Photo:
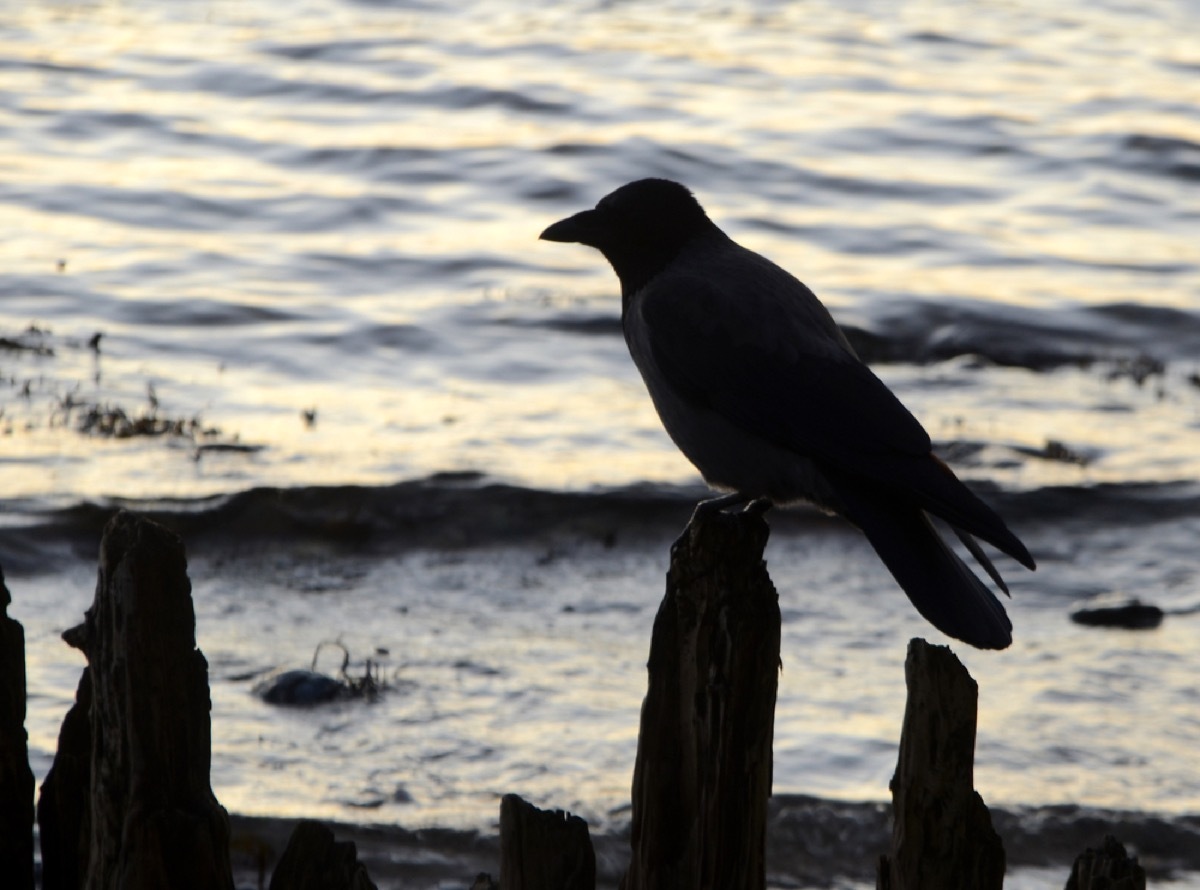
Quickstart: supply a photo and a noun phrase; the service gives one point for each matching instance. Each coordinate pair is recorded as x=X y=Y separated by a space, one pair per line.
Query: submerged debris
x=1056 y=451
x=310 y=687
x=1138 y=368
x=32 y=340
x=54 y=402
x=112 y=421
x=300 y=687
x=228 y=448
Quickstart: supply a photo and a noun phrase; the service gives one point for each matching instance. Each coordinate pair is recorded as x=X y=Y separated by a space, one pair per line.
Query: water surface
x=308 y=241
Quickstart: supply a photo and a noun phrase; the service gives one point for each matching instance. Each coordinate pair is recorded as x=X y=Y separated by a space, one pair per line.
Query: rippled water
x=333 y=209
x=337 y=210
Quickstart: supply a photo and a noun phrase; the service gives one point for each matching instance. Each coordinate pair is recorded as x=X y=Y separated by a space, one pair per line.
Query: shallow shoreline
x=811 y=842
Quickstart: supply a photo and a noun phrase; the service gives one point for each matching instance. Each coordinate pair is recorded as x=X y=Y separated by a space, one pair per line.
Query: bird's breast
x=728 y=456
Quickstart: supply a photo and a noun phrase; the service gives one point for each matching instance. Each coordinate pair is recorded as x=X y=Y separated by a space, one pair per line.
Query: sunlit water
x=334 y=209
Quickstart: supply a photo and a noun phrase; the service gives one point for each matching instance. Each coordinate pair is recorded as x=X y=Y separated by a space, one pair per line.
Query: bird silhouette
x=760 y=389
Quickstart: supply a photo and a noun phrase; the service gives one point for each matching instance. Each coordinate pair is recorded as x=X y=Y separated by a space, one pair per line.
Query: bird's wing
x=768 y=360
x=751 y=357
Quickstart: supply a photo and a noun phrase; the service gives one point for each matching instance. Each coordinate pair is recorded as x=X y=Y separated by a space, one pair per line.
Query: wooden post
x=543 y=849
x=152 y=820
x=16 y=778
x=1109 y=868
x=942 y=838
x=64 y=805
x=703 y=772
x=313 y=860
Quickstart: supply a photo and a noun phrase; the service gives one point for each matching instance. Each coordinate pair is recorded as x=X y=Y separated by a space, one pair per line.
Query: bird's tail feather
x=982 y=558
x=939 y=584
x=945 y=496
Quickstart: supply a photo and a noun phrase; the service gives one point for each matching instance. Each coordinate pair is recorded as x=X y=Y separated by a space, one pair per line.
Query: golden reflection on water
x=851 y=76
x=828 y=87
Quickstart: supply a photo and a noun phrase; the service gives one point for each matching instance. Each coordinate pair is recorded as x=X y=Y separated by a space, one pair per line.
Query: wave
x=459 y=510
x=901 y=330
x=1040 y=340
x=1167 y=156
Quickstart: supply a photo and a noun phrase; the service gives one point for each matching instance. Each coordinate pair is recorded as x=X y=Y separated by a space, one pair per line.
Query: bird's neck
x=640 y=264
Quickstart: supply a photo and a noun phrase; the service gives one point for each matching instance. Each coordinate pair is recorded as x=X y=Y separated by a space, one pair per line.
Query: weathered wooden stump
x=16 y=779
x=703 y=772
x=1108 y=868
x=150 y=819
x=543 y=849
x=313 y=860
x=942 y=838
x=64 y=805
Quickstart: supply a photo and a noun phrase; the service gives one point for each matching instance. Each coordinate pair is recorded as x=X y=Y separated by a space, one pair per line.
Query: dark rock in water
x=300 y=687
x=1133 y=615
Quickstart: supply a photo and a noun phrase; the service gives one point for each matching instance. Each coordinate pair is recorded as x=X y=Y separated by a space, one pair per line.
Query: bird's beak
x=582 y=228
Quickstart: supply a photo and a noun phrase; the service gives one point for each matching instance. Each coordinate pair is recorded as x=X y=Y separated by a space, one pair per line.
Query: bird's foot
x=705 y=509
x=749 y=504
x=758 y=506
x=718 y=504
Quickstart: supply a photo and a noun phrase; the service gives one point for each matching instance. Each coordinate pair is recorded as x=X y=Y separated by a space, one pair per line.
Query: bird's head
x=639 y=228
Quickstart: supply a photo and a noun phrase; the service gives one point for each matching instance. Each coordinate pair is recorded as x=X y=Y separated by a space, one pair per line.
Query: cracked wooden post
x=543 y=848
x=942 y=835
x=16 y=778
x=1107 y=868
x=64 y=804
x=315 y=860
x=151 y=819
x=703 y=772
